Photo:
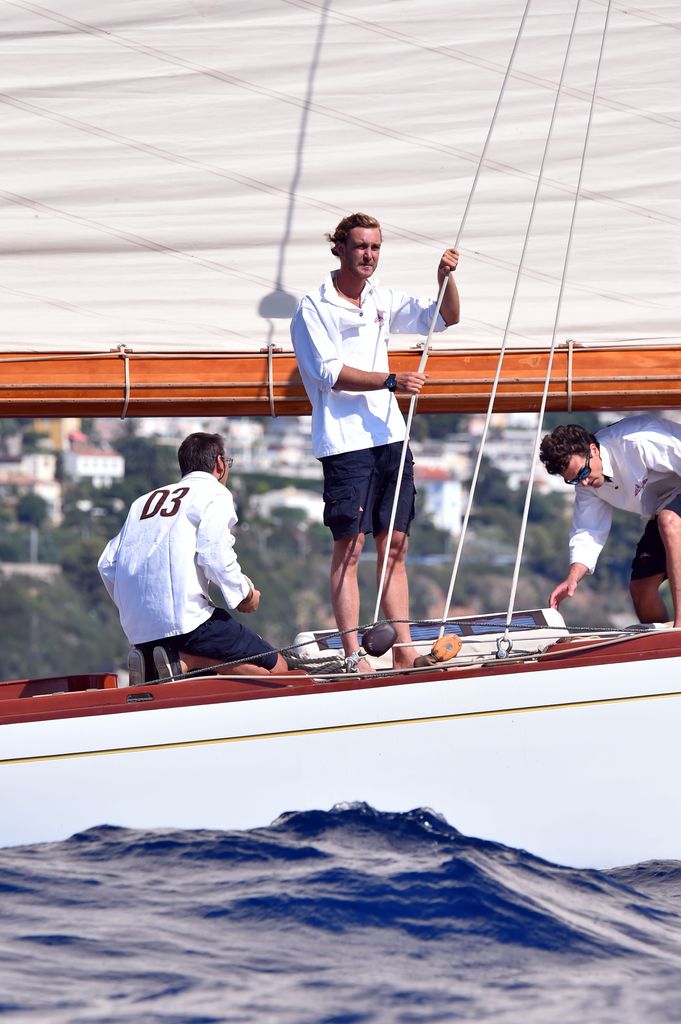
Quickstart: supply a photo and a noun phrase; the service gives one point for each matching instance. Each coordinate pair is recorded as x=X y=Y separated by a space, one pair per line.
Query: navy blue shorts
x=359 y=490
x=220 y=638
x=651 y=557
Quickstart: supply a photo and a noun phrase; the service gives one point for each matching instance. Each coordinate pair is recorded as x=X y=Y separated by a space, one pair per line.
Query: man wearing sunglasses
x=175 y=541
x=635 y=465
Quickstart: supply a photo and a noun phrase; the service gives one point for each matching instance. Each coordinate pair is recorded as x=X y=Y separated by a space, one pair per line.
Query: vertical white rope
x=511 y=309
x=403 y=456
x=559 y=303
x=438 y=304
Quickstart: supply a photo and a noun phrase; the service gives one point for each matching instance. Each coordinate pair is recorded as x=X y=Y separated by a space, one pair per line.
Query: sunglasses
x=584 y=472
x=228 y=460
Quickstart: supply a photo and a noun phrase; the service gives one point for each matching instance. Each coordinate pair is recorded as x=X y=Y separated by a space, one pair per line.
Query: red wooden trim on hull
x=14 y=688
x=573 y=652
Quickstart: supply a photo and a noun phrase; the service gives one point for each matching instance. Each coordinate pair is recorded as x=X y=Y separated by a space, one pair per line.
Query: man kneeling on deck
x=175 y=541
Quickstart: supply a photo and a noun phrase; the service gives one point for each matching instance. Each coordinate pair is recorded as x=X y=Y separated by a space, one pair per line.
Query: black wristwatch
x=390 y=382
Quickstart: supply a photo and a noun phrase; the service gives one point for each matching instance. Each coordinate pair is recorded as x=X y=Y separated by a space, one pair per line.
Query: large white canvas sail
x=169 y=169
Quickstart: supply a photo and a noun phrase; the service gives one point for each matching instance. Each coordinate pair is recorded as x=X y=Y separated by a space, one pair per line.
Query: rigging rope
x=426 y=347
x=504 y=342
x=568 y=247
x=124 y=354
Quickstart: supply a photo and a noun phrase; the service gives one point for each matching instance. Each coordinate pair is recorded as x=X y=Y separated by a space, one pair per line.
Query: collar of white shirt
x=334 y=299
x=606 y=460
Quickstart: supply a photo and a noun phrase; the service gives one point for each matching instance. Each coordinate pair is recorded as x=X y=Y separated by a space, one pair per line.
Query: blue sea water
x=335 y=917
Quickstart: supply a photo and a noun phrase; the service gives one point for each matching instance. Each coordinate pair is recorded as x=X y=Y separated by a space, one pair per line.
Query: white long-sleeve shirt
x=175 y=540
x=642 y=463
x=329 y=332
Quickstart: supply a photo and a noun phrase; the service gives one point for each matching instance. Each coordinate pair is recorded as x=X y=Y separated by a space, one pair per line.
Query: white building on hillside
x=309 y=502
x=33 y=473
x=101 y=466
x=442 y=496
x=511 y=452
x=288 y=447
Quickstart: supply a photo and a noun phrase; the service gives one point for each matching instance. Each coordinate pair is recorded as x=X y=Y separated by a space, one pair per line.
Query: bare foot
x=403 y=657
x=364 y=666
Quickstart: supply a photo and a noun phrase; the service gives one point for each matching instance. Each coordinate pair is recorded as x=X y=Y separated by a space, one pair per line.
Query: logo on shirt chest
x=639 y=485
x=380 y=317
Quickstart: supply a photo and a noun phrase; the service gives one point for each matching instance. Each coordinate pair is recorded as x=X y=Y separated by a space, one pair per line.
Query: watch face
x=391 y=382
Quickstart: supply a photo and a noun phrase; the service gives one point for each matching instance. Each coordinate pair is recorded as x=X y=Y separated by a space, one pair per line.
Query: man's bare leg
x=395 y=598
x=191 y=662
x=345 y=592
x=669 y=525
x=645 y=593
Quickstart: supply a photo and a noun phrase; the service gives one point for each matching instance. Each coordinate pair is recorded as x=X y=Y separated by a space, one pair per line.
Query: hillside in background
x=70 y=625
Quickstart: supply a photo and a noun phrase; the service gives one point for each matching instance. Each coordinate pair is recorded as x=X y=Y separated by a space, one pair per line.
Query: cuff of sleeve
x=331 y=375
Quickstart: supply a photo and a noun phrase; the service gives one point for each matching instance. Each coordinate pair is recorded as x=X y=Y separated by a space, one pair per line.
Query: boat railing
x=57 y=684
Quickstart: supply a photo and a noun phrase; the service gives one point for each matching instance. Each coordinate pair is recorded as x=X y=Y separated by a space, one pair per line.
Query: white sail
x=170 y=169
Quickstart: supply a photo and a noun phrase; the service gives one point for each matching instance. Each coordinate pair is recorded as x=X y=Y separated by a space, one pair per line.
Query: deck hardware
x=504 y=646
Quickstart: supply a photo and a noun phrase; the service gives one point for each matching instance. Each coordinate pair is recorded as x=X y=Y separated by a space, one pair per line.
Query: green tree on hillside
x=32 y=509
x=52 y=628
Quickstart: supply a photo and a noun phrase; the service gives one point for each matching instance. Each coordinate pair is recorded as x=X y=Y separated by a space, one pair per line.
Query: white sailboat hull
x=579 y=766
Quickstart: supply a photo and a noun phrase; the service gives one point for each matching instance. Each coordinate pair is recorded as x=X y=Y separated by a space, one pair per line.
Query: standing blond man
x=340 y=335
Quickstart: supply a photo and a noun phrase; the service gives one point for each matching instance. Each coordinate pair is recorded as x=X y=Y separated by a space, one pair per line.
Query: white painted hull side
x=580 y=765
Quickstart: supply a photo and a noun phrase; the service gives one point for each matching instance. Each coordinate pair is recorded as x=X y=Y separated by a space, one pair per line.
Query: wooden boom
x=126 y=383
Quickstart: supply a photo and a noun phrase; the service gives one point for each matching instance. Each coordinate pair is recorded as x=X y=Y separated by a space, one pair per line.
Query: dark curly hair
x=354 y=220
x=558 y=447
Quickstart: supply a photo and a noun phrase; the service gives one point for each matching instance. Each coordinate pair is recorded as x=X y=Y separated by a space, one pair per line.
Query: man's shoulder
x=155 y=490
x=387 y=298
x=206 y=487
x=634 y=430
x=310 y=303
x=622 y=432
x=317 y=294
x=198 y=481
x=197 y=477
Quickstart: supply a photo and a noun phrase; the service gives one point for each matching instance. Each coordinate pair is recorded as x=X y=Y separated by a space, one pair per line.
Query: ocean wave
x=167 y=921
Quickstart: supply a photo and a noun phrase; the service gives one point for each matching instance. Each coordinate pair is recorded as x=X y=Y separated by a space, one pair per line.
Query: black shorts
x=220 y=638
x=651 y=557
x=359 y=490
